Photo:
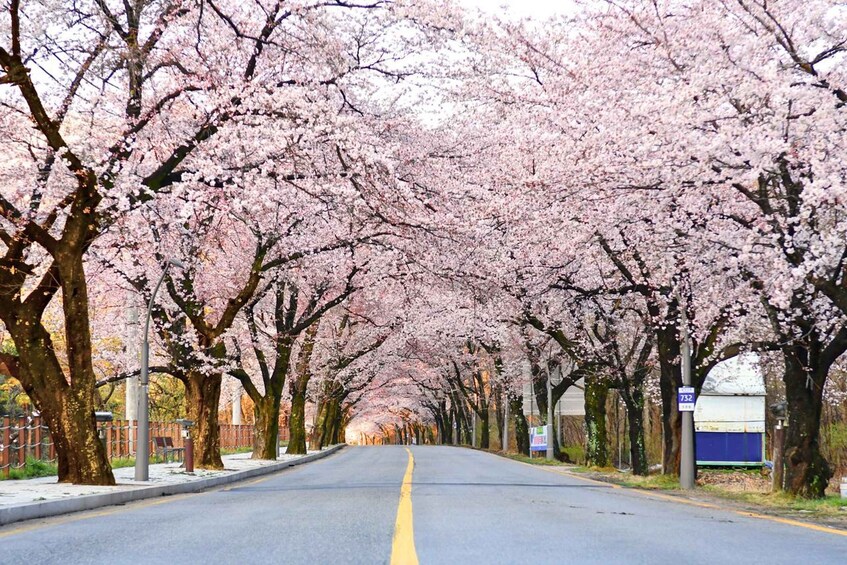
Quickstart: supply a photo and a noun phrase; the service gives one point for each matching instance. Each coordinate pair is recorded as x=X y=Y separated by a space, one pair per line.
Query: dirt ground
x=735 y=481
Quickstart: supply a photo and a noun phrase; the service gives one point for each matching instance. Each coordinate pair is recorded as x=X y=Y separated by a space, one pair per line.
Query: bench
x=165 y=448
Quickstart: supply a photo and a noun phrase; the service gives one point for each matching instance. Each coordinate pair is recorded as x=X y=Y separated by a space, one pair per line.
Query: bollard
x=188 y=442
x=189 y=455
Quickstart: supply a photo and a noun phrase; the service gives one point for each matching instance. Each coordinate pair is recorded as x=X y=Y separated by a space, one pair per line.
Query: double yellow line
x=403 y=547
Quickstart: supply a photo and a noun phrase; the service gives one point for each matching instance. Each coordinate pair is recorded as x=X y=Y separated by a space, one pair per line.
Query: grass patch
x=540 y=460
x=236 y=450
x=650 y=482
x=575 y=453
x=34 y=468
x=832 y=505
x=122 y=462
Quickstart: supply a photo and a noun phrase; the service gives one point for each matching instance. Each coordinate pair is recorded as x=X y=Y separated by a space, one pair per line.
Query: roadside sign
x=538 y=437
x=686 y=399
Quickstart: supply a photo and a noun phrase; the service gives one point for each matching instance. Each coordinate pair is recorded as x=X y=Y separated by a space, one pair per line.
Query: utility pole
x=473 y=428
x=549 y=416
x=505 y=446
x=132 y=353
x=236 y=407
x=778 y=460
x=531 y=394
x=686 y=464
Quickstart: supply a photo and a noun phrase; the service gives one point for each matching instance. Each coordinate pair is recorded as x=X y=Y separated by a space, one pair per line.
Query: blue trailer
x=729 y=417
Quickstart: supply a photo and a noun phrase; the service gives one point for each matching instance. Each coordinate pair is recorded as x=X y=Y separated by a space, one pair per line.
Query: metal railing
x=24 y=437
x=28 y=437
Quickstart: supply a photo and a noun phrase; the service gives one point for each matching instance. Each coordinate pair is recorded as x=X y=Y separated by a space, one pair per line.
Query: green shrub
x=575 y=453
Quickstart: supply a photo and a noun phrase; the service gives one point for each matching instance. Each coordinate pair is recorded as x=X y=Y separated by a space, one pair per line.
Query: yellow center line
x=403 y=547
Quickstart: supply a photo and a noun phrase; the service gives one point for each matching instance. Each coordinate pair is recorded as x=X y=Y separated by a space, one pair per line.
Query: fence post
x=107 y=434
x=5 y=455
x=21 y=442
x=134 y=432
x=120 y=432
x=52 y=446
x=36 y=429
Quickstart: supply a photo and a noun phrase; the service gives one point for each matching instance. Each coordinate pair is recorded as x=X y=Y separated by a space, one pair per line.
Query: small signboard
x=686 y=399
x=538 y=437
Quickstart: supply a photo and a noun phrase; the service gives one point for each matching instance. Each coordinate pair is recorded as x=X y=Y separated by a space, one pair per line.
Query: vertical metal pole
x=236 y=408
x=618 y=428
x=549 y=417
x=473 y=428
x=778 y=454
x=131 y=393
x=686 y=464
x=559 y=423
x=505 y=446
x=531 y=396
x=142 y=450
x=142 y=453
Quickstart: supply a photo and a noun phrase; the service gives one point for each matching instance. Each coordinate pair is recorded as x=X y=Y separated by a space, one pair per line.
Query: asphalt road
x=466 y=507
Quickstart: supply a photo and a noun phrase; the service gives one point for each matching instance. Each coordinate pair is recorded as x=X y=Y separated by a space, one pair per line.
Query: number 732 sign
x=685 y=399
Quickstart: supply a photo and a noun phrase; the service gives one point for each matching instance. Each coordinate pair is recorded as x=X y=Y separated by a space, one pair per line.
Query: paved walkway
x=46 y=488
x=33 y=498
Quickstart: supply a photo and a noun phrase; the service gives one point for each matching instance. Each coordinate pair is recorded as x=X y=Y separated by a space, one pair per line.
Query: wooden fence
x=28 y=437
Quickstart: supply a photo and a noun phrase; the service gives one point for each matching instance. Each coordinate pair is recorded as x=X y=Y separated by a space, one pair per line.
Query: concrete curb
x=90 y=501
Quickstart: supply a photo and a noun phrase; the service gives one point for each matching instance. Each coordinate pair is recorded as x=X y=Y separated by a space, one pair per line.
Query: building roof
x=740 y=375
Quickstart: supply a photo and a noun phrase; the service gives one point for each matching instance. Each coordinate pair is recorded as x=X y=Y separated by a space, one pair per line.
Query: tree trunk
x=634 y=404
x=266 y=427
x=297 y=422
x=298 y=387
x=484 y=438
x=67 y=409
x=449 y=423
x=670 y=379
x=596 y=392
x=521 y=425
x=202 y=398
x=807 y=473
x=333 y=428
x=500 y=416
x=321 y=429
x=339 y=432
x=82 y=458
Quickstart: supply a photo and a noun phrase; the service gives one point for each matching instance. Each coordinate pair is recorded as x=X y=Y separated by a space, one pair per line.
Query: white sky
x=522 y=8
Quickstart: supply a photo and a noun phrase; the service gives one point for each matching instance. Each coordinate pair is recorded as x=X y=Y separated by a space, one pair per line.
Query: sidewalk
x=39 y=498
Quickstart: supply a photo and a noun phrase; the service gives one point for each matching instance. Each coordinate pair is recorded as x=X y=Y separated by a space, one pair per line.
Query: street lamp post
x=687 y=463
x=142 y=452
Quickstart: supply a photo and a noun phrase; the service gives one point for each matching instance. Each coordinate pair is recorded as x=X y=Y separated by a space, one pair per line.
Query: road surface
x=465 y=507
